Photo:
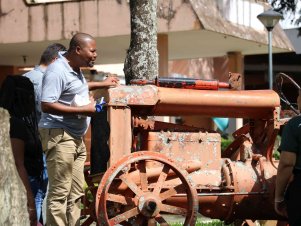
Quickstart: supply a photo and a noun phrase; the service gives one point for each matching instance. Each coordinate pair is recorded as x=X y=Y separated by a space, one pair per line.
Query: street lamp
x=269 y=19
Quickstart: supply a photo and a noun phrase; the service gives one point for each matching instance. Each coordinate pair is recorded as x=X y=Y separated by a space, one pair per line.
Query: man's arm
x=284 y=174
x=18 y=148
x=108 y=82
x=61 y=109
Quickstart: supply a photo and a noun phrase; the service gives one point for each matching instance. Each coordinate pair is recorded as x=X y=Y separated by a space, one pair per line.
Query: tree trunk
x=142 y=56
x=13 y=201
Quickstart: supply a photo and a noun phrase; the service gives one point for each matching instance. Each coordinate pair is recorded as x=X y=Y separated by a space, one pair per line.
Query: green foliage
x=284 y=5
x=276 y=153
x=225 y=143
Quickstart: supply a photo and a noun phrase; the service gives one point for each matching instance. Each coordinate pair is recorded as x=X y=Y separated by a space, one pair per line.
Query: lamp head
x=269 y=18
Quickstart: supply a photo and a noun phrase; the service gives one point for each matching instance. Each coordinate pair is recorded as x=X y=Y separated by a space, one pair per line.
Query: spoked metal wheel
x=140 y=190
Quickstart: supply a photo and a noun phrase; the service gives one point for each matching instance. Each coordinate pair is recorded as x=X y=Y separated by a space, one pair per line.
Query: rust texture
x=180 y=169
x=171 y=101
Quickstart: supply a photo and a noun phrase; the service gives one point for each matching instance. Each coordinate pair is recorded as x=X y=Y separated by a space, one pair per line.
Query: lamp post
x=269 y=19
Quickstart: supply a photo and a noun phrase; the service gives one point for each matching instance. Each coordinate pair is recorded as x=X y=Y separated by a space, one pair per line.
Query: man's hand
x=90 y=108
x=111 y=81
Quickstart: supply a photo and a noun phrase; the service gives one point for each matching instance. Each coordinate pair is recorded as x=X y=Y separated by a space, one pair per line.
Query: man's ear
x=77 y=50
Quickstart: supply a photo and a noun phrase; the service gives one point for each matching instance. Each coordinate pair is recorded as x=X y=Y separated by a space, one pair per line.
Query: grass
x=199 y=223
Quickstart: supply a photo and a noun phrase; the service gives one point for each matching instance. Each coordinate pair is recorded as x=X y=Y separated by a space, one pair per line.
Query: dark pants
x=100 y=133
x=293 y=198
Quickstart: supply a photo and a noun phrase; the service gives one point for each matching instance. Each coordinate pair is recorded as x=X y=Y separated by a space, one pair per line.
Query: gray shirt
x=61 y=84
x=36 y=77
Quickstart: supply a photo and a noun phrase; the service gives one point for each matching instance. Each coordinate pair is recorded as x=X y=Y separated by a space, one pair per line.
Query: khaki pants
x=65 y=157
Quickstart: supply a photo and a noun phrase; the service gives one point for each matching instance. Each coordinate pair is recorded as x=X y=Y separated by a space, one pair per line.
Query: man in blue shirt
x=66 y=107
x=39 y=183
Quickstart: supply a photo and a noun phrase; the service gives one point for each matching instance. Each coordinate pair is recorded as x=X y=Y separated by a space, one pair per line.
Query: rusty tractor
x=158 y=169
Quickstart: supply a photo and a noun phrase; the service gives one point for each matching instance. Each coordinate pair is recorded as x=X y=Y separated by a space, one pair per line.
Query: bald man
x=66 y=107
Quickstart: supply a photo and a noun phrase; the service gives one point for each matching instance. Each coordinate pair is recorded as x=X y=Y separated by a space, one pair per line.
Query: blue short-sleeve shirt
x=61 y=84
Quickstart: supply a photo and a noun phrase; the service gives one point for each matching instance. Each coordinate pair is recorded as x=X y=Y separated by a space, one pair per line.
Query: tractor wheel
x=136 y=190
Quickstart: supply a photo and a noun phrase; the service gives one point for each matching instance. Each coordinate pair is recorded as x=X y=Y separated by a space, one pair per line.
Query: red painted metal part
x=152 y=100
x=183 y=83
x=245 y=104
x=143 y=200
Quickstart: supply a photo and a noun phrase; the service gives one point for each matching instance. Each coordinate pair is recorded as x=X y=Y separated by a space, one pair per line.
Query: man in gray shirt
x=49 y=55
x=66 y=107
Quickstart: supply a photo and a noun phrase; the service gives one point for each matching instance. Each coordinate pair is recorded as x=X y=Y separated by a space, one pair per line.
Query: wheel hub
x=149 y=205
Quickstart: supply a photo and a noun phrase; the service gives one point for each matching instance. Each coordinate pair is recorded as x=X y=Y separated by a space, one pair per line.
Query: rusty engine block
x=159 y=168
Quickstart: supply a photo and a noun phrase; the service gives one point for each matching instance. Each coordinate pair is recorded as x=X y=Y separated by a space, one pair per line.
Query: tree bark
x=142 y=56
x=13 y=200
